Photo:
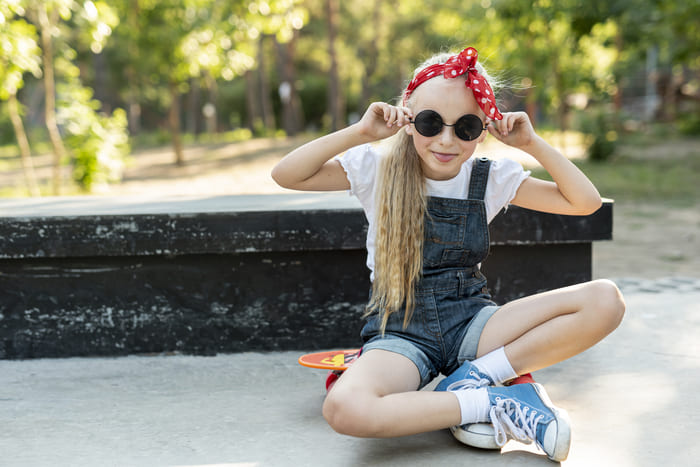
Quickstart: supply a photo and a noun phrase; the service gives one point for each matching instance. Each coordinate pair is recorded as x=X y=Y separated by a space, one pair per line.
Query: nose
x=447 y=134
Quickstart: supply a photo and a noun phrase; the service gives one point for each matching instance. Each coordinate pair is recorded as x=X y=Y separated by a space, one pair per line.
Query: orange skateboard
x=337 y=361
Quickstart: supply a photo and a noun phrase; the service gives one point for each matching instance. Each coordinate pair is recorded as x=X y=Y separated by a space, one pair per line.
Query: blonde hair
x=399 y=220
x=401 y=206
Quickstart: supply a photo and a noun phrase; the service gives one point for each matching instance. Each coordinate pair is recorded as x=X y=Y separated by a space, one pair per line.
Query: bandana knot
x=461 y=63
x=458 y=65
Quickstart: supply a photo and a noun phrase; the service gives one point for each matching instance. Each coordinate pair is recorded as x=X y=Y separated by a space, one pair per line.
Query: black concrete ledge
x=100 y=276
x=251 y=224
x=244 y=224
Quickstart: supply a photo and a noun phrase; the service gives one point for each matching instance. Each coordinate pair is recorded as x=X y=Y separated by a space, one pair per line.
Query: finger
x=404 y=116
x=501 y=126
x=386 y=112
x=392 y=117
x=493 y=129
x=507 y=124
x=512 y=122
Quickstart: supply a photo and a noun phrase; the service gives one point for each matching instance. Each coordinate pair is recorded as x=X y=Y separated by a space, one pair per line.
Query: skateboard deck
x=336 y=360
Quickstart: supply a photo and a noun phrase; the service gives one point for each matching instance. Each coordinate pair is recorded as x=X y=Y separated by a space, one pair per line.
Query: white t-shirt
x=361 y=164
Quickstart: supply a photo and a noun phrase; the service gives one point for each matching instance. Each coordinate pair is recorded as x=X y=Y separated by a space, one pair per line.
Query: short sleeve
x=360 y=165
x=505 y=178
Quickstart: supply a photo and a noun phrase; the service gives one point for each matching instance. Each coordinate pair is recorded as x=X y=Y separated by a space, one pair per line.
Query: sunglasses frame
x=438 y=118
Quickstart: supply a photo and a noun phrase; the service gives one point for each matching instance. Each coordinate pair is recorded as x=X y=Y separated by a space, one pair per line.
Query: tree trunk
x=617 y=98
x=562 y=108
x=23 y=143
x=59 y=150
x=292 y=116
x=132 y=96
x=268 y=114
x=335 y=99
x=101 y=86
x=194 y=108
x=530 y=95
x=253 y=119
x=371 y=60
x=174 y=123
x=211 y=118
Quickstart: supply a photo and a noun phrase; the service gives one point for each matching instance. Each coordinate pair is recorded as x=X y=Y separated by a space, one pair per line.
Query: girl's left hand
x=514 y=129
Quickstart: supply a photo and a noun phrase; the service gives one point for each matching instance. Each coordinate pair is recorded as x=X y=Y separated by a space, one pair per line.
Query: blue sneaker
x=525 y=413
x=483 y=435
x=466 y=376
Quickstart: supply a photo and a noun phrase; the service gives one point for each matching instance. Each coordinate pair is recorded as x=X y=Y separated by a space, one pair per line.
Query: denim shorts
x=451 y=311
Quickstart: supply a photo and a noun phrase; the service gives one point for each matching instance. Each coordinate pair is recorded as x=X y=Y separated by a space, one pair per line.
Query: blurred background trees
x=95 y=78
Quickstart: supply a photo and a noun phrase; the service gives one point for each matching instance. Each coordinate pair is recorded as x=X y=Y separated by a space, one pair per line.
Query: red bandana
x=457 y=65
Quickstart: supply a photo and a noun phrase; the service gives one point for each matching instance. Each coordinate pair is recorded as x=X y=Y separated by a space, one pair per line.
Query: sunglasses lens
x=428 y=123
x=469 y=127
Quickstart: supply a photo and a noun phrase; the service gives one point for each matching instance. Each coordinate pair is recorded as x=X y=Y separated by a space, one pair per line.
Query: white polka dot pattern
x=457 y=65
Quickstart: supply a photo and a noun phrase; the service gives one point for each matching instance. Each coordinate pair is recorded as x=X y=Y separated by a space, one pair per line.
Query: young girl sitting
x=428 y=203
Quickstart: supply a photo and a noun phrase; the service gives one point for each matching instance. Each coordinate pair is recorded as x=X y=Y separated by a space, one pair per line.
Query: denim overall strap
x=451 y=290
x=456 y=230
x=479 y=178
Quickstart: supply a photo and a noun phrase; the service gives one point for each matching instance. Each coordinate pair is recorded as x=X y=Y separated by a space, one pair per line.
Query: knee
x=610 y=304
x=348 y=413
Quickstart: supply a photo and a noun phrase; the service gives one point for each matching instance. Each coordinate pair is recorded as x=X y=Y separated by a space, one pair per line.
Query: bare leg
x=547 y=328
x=377 y=397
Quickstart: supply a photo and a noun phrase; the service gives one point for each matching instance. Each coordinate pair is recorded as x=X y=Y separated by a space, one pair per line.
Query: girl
x=428 y=203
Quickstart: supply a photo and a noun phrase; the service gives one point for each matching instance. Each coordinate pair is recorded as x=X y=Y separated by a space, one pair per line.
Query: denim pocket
x=444 y=232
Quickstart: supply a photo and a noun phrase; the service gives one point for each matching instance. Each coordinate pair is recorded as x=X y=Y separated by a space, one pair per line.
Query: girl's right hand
x=382 y=120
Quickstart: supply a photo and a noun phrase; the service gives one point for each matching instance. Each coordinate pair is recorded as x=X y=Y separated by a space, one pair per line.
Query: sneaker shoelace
x=475 y=382
x=512 y=421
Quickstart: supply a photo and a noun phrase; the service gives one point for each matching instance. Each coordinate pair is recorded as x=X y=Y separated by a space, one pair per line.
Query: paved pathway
x=633 y=401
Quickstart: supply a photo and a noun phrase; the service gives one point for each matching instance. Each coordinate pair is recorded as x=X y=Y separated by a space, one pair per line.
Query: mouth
x=443 y=157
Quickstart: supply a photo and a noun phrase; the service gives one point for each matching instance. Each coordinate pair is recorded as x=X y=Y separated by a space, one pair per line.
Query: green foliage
x=19 y=54
x=549 y=51
x=99 y=144
x=689 y=125
x=6 y=131
x=599 y=125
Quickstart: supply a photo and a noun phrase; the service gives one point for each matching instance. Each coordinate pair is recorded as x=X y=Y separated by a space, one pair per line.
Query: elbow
x=595 y=203
x=278 y=176
x=591 y=205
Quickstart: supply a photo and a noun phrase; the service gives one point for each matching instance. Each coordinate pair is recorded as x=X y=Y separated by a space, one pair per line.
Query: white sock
x=496 y=365
x=474 y=404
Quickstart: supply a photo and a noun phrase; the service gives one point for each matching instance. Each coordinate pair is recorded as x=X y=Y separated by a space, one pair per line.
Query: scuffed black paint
x=232 y=281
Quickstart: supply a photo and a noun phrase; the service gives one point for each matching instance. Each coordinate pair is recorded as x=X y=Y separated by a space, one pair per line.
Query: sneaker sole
x=563 y=441
x=478 y=435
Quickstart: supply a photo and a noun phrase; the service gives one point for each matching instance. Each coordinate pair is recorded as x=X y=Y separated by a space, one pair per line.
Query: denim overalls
x=452 y=301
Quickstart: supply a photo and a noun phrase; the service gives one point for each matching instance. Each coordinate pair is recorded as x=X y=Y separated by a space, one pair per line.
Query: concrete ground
x=633 y=401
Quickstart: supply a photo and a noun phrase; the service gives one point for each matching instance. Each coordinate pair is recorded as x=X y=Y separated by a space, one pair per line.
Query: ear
x=409 y=129
x=484 y=134
x=482 y=137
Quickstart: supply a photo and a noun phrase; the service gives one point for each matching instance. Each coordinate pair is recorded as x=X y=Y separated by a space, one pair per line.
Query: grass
x=668 y=178
x=652 y=164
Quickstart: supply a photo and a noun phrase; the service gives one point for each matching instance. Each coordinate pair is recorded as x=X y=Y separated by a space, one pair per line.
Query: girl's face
x=442 y=155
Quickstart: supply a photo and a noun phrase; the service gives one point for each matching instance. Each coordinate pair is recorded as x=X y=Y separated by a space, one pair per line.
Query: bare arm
x=309 y=167
x=570 y=193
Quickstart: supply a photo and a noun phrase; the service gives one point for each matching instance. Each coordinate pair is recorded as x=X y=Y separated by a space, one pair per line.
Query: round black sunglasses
x=429 y=123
